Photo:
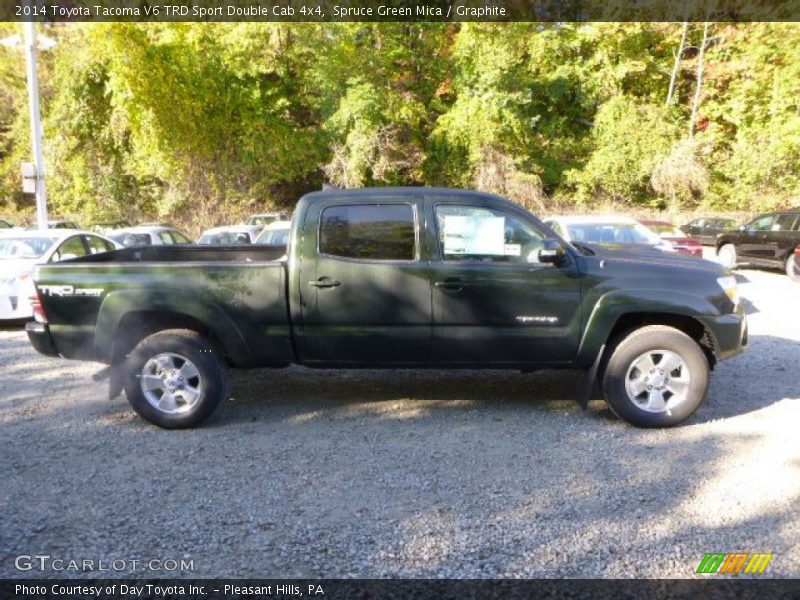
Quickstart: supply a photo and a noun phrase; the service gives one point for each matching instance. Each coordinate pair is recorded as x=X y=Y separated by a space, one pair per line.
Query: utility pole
x=36 y=123
x=699 y=85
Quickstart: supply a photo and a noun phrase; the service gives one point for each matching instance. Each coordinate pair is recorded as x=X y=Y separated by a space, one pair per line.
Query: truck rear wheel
x=175 y=378
x=657 y=376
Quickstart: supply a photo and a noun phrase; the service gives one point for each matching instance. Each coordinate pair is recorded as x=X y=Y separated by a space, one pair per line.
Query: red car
x=682 y=243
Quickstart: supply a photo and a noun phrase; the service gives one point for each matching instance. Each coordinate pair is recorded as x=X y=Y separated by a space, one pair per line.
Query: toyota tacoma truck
x=394 y=278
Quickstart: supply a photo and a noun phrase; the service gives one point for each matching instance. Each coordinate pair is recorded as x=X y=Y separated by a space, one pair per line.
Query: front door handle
x=324 y=282
x=451 y=284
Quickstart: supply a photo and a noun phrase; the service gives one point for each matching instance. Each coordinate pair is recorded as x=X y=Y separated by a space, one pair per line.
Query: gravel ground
x=409 y=474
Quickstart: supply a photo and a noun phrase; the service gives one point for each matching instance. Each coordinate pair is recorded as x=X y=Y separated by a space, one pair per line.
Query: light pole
x=36 y=123
x=30 y=44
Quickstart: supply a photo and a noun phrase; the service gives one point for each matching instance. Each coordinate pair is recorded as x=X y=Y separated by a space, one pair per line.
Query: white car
x=275 y=234
x=148 y=235
x=607 y=229
x=265 y=218
x=233 y=234
x=21 y=251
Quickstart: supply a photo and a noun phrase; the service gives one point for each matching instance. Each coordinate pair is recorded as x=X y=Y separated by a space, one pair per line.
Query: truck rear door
x=493 y=300
x=364 y=291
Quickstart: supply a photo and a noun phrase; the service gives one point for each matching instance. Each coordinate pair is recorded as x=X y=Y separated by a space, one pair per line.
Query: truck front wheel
x=657 y=376
x=727 y=256
x=175 y=378
x=792 y=266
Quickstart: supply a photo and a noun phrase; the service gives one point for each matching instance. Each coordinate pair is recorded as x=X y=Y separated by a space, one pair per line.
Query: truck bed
x=193 y=253
x=238 y=292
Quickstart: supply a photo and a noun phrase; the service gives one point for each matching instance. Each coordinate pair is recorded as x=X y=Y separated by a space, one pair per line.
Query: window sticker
x=512 y=249
x=474 y=235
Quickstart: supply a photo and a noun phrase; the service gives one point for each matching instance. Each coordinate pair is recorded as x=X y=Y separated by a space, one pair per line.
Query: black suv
x=706 y=229
x=769 y=240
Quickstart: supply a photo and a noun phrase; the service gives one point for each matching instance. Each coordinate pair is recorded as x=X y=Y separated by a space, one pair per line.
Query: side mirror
x=552 y=252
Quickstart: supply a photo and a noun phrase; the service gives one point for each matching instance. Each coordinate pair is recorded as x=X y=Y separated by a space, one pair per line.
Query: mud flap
x=114 y=375
x=586 y=386
x=115 y=382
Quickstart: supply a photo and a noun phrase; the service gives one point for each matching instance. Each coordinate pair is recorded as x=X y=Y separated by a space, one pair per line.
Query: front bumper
x=40 y=338
x=728 y=332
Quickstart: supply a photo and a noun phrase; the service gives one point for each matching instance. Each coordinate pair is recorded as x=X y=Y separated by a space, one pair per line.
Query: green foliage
x=205 y=122
x=629 y=140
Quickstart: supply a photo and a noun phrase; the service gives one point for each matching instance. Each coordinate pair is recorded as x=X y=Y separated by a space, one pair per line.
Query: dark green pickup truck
x=395 y=277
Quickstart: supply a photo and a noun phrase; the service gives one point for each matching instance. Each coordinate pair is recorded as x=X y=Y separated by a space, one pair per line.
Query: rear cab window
x=371 y=232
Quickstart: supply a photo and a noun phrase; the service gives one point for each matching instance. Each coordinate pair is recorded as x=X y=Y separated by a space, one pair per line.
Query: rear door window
x=97 y=245
x=369 y=232
x=784 y=222
x=179 y=238
x=71 y=248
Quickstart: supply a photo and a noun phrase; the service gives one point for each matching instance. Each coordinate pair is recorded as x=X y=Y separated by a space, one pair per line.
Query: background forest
x=202 y=123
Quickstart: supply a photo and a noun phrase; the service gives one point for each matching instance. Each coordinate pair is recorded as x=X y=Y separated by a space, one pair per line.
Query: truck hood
x=648 y=255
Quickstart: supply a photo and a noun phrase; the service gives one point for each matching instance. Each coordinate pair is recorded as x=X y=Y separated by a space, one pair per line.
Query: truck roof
x=395 y=190
x=399 y=191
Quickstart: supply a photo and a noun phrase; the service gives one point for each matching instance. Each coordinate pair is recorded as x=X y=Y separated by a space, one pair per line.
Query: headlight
x=730 y=287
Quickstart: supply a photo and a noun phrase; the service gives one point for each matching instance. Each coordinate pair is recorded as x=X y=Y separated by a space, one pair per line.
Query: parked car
x=608 y=230
x=264 y=219
x=62 y=224
x=769 y=240
x=232 y=234
x=157 y=224
x=105 y=226
x=149 y=235
x=396 y=277
x=5 y=224
x=275 y=234
x=682 y=243
x=21 y=251
x=706 y=229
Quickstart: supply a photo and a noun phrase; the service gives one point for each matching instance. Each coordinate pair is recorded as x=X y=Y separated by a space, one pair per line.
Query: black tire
x=210 y=382
x=650 y=339
x=792 y=267
x=728 y=256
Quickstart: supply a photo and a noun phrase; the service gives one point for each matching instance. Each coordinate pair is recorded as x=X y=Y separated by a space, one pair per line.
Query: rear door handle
x=324 y=282
x=451 y=284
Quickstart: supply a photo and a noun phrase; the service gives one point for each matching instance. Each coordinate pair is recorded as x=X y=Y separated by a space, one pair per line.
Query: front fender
x=615 y=304
x=116 y=305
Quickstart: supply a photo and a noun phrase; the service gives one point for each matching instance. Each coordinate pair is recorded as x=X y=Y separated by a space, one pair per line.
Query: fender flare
x=116 y=305
x=616 y=304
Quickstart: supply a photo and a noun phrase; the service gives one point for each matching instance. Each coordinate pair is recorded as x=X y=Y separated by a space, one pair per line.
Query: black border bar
x=710 y=587
x=63 y=11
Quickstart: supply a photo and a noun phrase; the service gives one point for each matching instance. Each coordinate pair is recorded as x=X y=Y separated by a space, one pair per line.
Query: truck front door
x=493 y=300
x=364 y=290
